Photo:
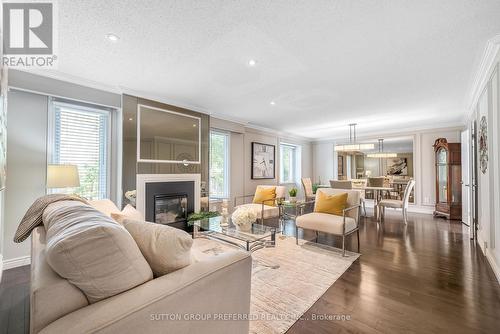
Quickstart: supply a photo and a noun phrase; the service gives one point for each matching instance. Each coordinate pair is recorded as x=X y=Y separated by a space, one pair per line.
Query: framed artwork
x=483 y=145
x=263 y=161
x=397 y=166
x=340 y=162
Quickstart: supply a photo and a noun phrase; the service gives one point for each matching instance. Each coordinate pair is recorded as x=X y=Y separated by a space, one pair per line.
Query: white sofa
x=213 y=285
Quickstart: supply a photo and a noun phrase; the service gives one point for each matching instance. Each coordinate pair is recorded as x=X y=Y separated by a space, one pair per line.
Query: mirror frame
x=139 y=106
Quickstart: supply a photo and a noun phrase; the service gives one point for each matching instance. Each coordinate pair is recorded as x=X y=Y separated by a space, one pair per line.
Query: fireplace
x=170 y=209
x=168 y=198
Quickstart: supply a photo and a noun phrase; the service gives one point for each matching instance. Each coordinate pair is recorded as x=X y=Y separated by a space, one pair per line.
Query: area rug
x=287 y=279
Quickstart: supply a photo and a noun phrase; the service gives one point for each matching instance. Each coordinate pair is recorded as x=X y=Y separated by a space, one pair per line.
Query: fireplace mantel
x=143 y=179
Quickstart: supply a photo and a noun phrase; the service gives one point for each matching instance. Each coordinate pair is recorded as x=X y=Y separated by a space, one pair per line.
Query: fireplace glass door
x=170 y=208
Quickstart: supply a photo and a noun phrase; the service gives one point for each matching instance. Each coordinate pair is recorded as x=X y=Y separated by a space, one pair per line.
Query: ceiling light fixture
x=352 y=145
x=130 y=119
x=112 y=37
x=381 y=153
x=252 y=62
x=272 y=103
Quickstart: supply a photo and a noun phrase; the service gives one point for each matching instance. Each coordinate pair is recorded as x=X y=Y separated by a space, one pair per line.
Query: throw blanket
x=33 y=216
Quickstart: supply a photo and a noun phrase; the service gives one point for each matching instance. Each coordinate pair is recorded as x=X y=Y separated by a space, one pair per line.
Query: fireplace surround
x=168 y=198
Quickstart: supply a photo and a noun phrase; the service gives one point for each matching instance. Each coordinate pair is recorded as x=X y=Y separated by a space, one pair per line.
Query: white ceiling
x=383 y=64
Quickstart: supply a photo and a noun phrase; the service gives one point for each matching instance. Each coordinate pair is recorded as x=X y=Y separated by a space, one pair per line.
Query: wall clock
x=483 y=145
x=185 y=168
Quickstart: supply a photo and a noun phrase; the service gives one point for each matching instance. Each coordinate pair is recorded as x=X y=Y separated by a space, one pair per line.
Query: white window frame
x=227 y=165
x=296 y=164
x=82 y=107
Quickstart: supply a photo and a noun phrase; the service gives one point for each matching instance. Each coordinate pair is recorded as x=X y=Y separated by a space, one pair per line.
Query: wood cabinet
x=448 y=179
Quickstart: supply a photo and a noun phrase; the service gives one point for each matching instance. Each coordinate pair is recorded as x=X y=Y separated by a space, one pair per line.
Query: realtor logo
x=28 y=34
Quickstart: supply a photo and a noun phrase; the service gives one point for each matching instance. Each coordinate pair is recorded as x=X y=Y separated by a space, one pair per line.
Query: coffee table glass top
x=258 y=231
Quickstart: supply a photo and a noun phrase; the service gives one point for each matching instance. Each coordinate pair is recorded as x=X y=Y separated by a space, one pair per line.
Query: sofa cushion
x=105 y=206
x=46 y=286
x=325 y=222
x=165 y=248
x=269 y=211
x=92 y=251
x=332 y=204
x=128 y=212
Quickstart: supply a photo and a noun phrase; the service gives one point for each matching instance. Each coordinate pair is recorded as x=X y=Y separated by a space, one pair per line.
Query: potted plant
x=293 y=195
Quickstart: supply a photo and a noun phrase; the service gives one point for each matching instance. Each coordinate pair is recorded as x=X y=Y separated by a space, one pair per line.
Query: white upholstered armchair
x=343 y=225
x=267 y=210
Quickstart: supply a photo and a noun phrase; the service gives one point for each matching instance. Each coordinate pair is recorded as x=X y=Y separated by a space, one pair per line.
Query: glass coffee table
x=258 y=237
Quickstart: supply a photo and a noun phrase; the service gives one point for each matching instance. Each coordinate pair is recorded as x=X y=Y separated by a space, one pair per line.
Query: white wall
x=485 y=103
x=241 y=139
x=324 y=161
x=26 y=163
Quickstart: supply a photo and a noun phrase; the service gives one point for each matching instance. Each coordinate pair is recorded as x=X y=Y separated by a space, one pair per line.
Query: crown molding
x=400 y=132
x=482 y=74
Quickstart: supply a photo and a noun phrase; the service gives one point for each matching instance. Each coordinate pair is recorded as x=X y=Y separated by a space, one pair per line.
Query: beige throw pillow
x=165 y=248
x=92 y=251
x=128 y=212
x=105 y=206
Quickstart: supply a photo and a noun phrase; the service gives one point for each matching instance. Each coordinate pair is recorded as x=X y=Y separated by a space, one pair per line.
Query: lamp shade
x=62 y=176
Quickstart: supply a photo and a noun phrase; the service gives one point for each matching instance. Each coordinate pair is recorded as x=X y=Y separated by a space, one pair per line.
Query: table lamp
x=62 y=176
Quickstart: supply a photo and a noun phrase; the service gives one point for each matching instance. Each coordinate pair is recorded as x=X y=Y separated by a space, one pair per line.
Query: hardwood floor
x=426 y=277
x=14 y=301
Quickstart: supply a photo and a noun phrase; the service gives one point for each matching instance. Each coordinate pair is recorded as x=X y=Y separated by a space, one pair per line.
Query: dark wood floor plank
x=426 y=277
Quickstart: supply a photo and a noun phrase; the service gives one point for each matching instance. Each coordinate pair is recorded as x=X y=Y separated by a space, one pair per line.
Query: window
x=289 y=163
x=219 y=164
x=80 y=135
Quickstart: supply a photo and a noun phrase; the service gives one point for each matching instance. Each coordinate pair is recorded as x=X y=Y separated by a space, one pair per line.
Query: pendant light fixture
x=381 y=153
x=353 y=146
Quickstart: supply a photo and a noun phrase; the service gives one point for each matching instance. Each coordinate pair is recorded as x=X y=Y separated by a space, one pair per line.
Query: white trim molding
x=143 y=179
x=494 y=266
x=482 y=75
x=16 y=262
x=1 y=267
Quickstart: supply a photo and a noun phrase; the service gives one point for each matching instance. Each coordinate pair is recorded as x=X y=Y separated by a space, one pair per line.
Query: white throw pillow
x=166 y=248
x=128 y=212
x=105 y=206
x=92 y=251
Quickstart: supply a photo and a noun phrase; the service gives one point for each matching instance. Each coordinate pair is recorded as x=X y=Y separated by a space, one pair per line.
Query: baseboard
x=429 y=210
x=493 y=263
x=16 y=262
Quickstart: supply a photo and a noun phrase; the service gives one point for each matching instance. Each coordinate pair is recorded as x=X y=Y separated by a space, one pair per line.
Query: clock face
x=183 y=168
x=483 y=145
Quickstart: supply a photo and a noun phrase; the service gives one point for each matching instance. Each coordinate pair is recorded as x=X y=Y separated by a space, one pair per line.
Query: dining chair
x=308 y=189
x=349 y=184
x=397 y=204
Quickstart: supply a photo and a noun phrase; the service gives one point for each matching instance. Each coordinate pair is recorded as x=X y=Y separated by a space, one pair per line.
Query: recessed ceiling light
x=272 y=103
x=252 y=62
x=194 y=125
x=112 y=37
x=130 y=119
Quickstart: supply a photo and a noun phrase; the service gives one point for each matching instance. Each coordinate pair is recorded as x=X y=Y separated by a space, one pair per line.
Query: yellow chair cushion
x=332 y=204
x=265 y=194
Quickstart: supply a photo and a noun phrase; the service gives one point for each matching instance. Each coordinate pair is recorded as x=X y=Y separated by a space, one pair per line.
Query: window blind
x=81 y=138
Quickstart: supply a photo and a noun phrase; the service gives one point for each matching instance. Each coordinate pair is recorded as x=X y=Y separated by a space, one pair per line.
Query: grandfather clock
x=448 y=179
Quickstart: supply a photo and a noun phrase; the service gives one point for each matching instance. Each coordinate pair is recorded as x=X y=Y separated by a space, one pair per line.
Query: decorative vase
x=293 y=199
x=244 y=227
